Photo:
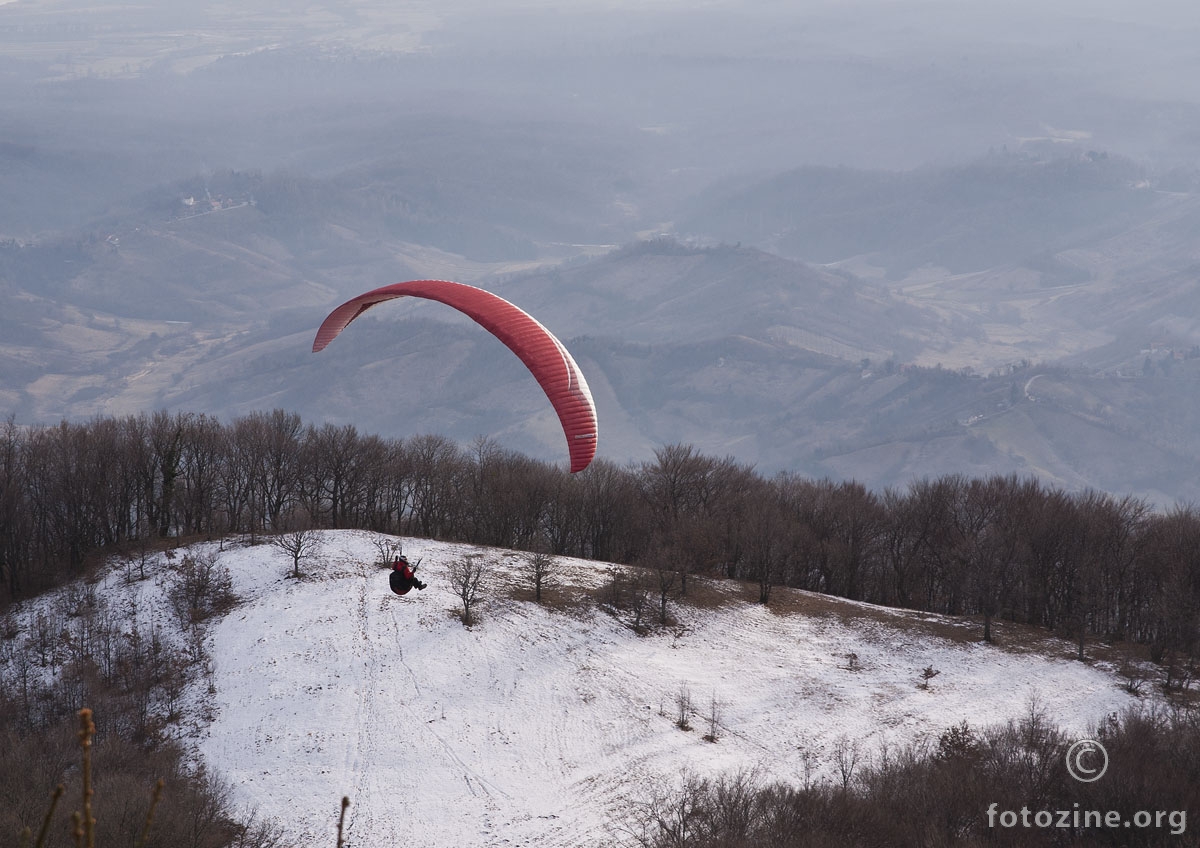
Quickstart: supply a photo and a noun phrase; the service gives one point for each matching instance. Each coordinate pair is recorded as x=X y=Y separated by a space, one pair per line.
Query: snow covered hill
x=543 y=725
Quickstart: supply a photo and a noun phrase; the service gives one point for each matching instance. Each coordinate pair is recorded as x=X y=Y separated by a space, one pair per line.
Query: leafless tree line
x=1086 y=565
x=966 y=789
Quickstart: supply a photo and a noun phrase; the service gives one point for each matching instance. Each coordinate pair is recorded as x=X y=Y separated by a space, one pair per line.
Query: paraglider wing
x=542 y=353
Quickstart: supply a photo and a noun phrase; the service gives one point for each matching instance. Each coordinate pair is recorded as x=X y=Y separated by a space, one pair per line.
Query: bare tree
x=765 y=541
x=166 y=441
x=200 y=588
x=628 y=591
x=437 y=466
x=847 y=754
x=666 y=582
x=988 y=546
x=298 y=544
x=467 y=578
x=334 y=464
x=203 y=447
x=275 y=464
x=542 y=571
x=683 y=708
x=389 y=550
x=713 y=718
x=689 y=499
x=928 y=674
x=639 y=601
x=665 y=562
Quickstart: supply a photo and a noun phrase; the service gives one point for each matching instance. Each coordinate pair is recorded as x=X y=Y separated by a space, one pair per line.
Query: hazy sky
x=725 y=85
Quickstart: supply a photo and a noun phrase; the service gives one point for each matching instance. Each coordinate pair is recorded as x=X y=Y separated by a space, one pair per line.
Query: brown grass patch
x=564 y=599
x=1009 y=636
x=706 y=592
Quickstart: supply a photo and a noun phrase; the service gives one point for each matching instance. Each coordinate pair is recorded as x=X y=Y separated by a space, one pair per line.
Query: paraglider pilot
x=403 y=576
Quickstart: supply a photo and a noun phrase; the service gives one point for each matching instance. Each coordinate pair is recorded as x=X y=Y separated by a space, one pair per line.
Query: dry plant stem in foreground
x=41 y=838
x=83 y=825
x=342 y=820
x=154 y=798
x=86 y=731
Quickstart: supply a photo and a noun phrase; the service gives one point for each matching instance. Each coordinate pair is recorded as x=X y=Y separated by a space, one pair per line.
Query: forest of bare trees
x=1088 y=565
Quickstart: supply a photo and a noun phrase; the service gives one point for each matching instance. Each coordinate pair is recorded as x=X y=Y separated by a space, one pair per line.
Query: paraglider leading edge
x=543 y=354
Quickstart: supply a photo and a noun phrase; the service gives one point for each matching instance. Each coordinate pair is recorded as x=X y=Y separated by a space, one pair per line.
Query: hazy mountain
x=1003 y=208
x=661 y=291
x=210 y=305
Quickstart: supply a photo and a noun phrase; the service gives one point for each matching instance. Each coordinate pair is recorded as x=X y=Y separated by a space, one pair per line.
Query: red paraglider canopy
x=542 y=353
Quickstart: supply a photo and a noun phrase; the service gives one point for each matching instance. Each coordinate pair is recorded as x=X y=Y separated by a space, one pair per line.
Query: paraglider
x=404 y=576
x=542 y=353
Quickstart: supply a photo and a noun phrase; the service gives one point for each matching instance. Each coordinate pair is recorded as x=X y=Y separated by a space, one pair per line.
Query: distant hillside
x=1001 y=209
x=205 y=295
x=661 y=291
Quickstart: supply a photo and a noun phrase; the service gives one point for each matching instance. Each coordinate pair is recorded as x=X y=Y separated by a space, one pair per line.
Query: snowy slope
x=540 y=727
